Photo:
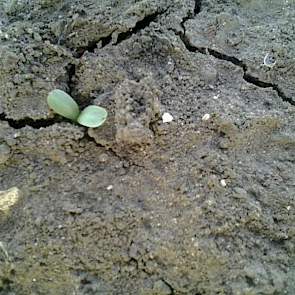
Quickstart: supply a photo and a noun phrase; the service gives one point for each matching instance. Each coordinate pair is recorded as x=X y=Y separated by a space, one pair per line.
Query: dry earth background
x=138 y=206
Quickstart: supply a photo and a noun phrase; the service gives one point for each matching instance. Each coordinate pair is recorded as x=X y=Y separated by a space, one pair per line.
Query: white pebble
x=166 y=117
x=206 y=117
x=288 y=208
x=110 y=187
x=223 y=182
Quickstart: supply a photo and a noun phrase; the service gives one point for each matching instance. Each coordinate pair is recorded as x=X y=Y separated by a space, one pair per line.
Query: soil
x=204 y=204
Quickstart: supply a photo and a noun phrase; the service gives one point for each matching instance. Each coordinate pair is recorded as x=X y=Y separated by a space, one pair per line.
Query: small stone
x=103 y=158
x=223 y=182
x=166 y=117
x=8 y=199
x=4 y=153
x=269 y=60
x=206 y=117
x=110 y=187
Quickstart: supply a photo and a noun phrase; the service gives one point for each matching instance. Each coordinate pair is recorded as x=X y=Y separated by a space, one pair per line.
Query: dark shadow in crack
x=198 y=6
x=36 y=124
x=140 y=25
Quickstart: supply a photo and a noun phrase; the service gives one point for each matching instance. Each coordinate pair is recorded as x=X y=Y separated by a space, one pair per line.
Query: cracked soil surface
x=202 y=205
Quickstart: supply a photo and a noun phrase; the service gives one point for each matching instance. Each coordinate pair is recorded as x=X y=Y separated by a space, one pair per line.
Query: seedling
x=64 y=105
x=92 y=116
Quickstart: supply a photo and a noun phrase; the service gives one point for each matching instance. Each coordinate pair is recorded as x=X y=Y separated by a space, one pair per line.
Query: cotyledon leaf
x=92 y=116
x=63 y=104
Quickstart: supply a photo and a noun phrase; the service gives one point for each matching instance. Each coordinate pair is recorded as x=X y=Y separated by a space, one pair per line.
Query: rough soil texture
x=200 y=205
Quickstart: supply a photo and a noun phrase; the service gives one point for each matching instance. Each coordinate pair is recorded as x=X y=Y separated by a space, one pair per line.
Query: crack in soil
x=36 y=124
x=71 y=71
x=198 y=6
x=169 y=285
x=139 y=26
x=247 y=77
x=221 y=56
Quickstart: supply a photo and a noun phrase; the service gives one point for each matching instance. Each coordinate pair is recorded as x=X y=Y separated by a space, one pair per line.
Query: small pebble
x=103 y=158
x=166 y=117
x=9 y=198
x=269 y=60
x=223 y=182
x=206 y=117
x=110 y=187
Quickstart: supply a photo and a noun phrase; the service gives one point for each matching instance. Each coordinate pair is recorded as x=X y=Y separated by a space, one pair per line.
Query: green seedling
x=64 y=105
x=92 y=116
